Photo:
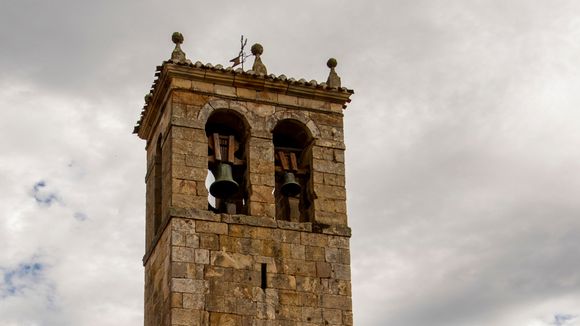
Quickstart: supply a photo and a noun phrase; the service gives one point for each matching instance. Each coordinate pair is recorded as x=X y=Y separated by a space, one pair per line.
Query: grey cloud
x=462 y=147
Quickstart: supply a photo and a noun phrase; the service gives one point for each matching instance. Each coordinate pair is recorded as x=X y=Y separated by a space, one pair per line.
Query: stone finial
x=333 y=79
x=178 y=55
x=258 y=67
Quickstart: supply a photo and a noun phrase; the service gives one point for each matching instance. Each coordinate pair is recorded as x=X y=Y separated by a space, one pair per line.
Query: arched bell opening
x=293 y=157
x=226 y=131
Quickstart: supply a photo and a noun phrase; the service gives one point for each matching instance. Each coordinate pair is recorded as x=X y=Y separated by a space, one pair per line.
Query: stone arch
x=224 y=120
x=278 y=116
x=218 y=104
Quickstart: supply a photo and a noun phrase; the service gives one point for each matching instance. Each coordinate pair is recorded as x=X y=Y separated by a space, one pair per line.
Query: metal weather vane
x=241 y=58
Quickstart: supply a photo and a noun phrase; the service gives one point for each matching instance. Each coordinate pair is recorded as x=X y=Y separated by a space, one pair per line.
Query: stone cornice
x=218 y=75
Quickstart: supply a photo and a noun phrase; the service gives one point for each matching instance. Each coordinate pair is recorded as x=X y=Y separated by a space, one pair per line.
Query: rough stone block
x=235 y=260
x=176 y=300
x=336 y=301
x=179 y=269
x=333 y=179
x=341 y=272
x=289 y=297
x=314 y=239
x=332 y=316
x=196 y=161
x=209 y=241
x=189 y=173
x=188 y=285
x=182 y=254
x=330 y=218
x=312 y=315
x=314 y=253
x=211 y=227
x=328 y=166
x=185 y=317
x=289 y=236
x=201 y=256
x=263 y=194
x=298 y=251
x=180 y=83
x=323 y=270
x=178 y=238
x=287 y=100
x=183 y=225
x=344 y=256
x=192 y=241
x=225 y=90
x=287 y=312
x=338 y=242
x=308 y=284
x=186 y=187
x=246 y=93
x=281 y=281
x=193 y=300
x=330 y=192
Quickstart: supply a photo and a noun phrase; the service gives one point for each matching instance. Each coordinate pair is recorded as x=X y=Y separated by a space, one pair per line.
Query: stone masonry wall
x=216 y=273
x=157 y=283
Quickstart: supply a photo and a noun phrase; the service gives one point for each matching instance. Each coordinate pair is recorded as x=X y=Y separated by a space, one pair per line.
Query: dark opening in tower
x=227 y=133
x=293 y=157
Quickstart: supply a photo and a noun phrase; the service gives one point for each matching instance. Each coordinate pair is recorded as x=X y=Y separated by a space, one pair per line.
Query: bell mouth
x=224 y=185
x=290 y=188
x=223 y=188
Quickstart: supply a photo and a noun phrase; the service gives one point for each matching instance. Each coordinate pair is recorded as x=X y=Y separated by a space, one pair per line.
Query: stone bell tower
x=269 y=243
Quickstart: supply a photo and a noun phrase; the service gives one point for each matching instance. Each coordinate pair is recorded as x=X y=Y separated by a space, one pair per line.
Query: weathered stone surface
x=176 y=300
x=332 y=316
x=330 y=192
x=209 y=241
x=182 y=254
x=235 y=260
x=282 y=281
x=201 y=256
x=338 y=242
x=225 y=90
x=178 y=238
x=188 y=285
x=323 y=270
x=193 y=301
x=313 y=253
x=341 y=271
x=186 y=317
x=246 y=93
x=255 y=267
x=211 y=227
x=336 y=301
x=192 y=241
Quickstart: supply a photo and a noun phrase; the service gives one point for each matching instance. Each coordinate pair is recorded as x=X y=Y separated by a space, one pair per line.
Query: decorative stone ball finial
x=258 y=67
x=331 y=63
x=257 y=49
x=177 y=38
x=178 y=56
x=333 y=80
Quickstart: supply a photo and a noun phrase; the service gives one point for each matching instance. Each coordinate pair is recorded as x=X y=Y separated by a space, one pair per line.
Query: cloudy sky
x=463 y=154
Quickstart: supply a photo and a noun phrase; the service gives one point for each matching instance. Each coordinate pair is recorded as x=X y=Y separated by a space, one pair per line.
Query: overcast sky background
x=463 y=150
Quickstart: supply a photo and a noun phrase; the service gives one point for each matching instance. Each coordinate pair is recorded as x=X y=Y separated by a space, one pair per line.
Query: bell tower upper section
x=272 y=220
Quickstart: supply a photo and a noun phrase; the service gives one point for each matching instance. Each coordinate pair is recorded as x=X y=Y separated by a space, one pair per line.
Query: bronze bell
x=224 y=185
x=290 y=187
